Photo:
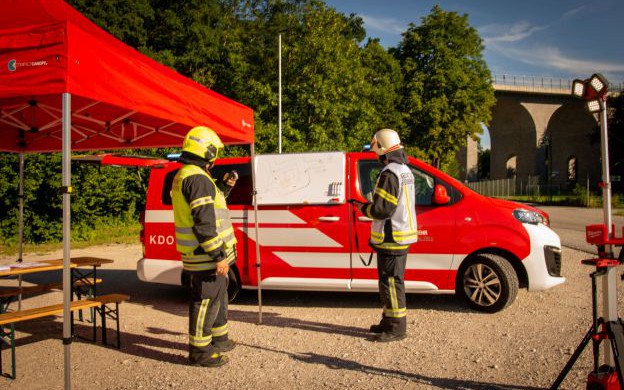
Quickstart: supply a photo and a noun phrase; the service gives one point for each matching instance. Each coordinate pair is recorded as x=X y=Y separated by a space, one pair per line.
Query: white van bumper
x=543 y=264
x=160 y=271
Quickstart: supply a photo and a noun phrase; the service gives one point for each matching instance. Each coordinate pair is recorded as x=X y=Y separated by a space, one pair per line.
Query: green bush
x=106 y=196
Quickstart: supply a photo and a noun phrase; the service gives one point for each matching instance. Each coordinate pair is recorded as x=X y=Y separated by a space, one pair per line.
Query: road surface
x=570 y=222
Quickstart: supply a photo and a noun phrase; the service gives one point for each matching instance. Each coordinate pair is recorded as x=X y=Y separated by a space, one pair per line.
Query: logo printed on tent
x=13 y=64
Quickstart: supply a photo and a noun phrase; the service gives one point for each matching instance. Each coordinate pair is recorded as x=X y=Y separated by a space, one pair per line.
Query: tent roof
x=121 y=99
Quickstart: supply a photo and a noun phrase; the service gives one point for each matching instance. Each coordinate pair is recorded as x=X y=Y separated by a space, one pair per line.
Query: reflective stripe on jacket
x=403 y=220
x=187 y=242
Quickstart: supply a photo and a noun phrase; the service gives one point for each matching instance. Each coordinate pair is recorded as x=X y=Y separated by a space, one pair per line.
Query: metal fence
x=506 y=188
x=544 y=82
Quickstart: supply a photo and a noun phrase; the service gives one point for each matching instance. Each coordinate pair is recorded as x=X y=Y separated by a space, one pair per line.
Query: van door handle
x=364 y=219
x=329 y=219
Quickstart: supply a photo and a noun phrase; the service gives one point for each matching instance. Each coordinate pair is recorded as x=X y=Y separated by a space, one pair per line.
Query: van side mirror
x=440 y=196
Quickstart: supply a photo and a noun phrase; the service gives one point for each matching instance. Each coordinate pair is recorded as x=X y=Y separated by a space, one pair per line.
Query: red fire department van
x=311 y=238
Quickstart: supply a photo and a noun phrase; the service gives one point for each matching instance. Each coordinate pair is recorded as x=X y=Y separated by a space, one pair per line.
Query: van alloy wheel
x=487 y=282
x=482 y=284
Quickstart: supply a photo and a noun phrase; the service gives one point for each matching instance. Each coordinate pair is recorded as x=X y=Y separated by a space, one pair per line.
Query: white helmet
x=384 y=141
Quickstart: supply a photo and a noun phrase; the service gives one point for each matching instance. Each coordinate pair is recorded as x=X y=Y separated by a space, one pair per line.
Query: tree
x=483 y=163
x=335 y=92
x=447 y=91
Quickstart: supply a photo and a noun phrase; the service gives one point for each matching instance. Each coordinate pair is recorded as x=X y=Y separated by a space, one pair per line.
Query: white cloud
x=509 y=32
x=572 y=13
x=385 y=25
x=551 y=57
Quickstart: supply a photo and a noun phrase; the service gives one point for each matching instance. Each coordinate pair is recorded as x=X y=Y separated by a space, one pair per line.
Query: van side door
x=430 y=259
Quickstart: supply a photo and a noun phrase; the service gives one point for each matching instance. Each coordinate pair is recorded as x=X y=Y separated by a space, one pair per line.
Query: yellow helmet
x=385 y=141
x=203 y=143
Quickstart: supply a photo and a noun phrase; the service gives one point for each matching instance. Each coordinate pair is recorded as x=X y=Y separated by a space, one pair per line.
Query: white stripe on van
x=442 y=262
x=325 y=284
x=237 y=216
x=159 y=216
x=265 y=216
x=303 y=237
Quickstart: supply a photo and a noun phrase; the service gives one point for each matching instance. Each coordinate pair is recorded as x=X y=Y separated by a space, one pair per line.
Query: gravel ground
x=313 y=340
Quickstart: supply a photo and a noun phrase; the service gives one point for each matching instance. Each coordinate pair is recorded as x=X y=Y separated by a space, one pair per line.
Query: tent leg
x=255 y=203
x=66 y=163
x=20 y=227
x=20 y=196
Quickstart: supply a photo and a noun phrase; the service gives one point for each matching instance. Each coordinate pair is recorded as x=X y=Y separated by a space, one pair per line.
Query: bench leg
x=4 y=304
x=103 y=312
x=11 y=336
x=13 y=369
x=113 y=314
x=118 y=332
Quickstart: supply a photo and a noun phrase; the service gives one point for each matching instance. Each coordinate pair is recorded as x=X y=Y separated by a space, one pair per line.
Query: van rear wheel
x=487 y=282
x=234 y=284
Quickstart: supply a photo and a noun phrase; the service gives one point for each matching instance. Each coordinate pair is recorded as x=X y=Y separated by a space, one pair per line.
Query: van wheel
x=234 y=284
x=487 y=282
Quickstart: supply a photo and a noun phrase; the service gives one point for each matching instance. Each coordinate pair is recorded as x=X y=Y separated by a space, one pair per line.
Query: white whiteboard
x=300 y=178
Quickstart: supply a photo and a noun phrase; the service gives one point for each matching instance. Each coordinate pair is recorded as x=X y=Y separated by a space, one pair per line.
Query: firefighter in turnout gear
x=393 y=230
x=206 y=242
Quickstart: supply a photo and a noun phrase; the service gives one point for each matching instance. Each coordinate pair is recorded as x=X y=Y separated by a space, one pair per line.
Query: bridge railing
x=513 y=187
x=535 y=82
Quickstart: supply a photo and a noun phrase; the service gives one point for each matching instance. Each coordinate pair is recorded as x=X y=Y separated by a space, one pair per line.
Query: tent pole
x=255 y=203
x=20 y=196
x=20 y=224
x=66 y=186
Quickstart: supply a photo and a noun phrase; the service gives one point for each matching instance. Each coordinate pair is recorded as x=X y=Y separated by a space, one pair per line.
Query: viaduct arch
x=539 y=132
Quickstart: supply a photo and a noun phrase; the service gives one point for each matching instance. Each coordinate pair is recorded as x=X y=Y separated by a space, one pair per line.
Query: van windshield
x=241 y=194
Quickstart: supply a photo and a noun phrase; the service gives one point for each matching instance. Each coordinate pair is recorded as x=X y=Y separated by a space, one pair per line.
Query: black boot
x=382 y=326
x=209 y=360
x=223 y=346
x=394 y=330
x=386 y=337
x=377 y=328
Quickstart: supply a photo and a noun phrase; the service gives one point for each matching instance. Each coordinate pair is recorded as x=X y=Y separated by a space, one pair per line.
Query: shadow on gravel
x=132 y=344
x=441 y=383
x=441 y=303
x=174 y=299
x=163 y=297
x=276 y=320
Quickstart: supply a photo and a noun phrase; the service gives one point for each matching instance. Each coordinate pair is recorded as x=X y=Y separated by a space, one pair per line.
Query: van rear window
x=240 y=194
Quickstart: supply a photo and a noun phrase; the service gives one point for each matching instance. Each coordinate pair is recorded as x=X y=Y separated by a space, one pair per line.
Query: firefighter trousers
x=207 y=313
x=391 y=273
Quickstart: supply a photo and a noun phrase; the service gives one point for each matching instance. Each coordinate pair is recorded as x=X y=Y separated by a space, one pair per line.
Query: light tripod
x=603 y=376
x=607 y=376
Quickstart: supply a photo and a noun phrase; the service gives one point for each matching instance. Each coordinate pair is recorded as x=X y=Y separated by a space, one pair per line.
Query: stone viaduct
x=534 y=126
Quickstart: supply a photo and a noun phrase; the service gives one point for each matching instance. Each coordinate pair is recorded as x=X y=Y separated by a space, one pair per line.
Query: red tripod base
x=605 y=379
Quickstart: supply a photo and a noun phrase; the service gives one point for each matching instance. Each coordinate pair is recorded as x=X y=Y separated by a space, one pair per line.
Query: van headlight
x=528 y=216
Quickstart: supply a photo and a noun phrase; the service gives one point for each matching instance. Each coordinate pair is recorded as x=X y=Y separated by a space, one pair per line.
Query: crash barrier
x=82 y=287
x=100 y=304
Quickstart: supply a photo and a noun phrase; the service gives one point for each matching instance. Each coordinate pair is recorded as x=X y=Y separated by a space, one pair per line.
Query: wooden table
x=55 y=265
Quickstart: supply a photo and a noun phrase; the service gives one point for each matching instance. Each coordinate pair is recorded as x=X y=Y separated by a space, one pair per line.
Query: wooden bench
x=82 y=287
x=8 y=320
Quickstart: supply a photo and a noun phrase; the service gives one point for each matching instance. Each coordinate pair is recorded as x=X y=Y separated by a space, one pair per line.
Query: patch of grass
x=105 y=233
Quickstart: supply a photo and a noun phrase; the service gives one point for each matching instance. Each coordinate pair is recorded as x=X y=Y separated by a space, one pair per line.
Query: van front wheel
x=487 y=282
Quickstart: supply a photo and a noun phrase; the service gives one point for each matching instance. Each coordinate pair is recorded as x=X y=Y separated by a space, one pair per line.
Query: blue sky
x=551 y=38
x=559 y=39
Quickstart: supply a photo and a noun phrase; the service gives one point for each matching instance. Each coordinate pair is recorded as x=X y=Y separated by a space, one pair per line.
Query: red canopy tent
x=120 y=98
x=66 y=84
